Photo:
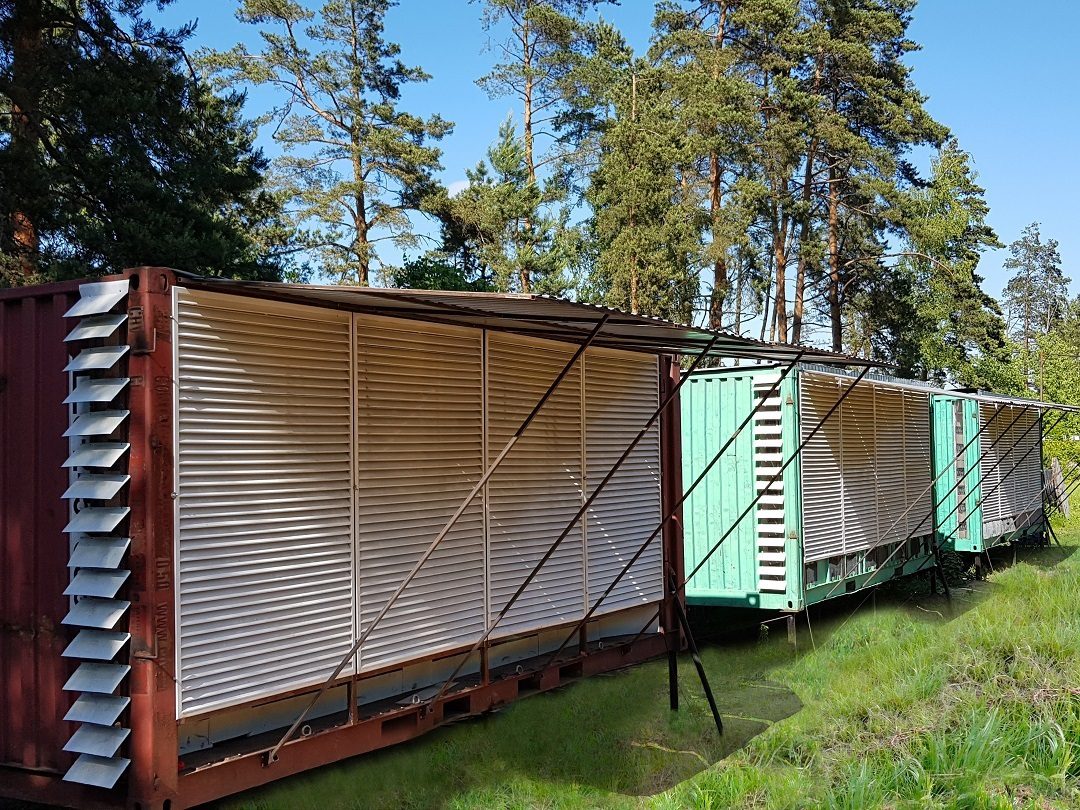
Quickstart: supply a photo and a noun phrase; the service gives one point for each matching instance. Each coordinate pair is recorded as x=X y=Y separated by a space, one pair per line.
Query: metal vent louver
x=95 y=494
x=768 y=459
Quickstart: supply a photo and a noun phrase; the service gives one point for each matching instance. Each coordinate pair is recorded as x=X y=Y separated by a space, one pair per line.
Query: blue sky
x=1002 y=78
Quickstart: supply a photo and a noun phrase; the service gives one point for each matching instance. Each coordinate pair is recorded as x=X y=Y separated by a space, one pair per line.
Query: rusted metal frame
x=272 y=754
x=328 y=745
x=673 y=510
x=937 y=545
x=914 y=532
x=663 y=406
x=154 y=739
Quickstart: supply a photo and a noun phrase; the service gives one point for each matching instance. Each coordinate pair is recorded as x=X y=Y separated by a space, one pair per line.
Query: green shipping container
x=990 y=493
x=837 y=519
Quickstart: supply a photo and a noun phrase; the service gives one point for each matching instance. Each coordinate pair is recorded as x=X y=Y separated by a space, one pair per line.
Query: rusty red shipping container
x=187 y=743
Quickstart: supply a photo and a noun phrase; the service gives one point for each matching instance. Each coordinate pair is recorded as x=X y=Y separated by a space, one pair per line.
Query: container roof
x=1000 y=399
x=533 y=315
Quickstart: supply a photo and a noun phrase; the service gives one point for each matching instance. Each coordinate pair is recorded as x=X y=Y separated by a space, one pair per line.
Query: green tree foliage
x=355 y=163
x=951 y=325
x=539 y=45
x=499 y=230
x=1036 y=296
x=702 y=45
x=645 y=225
x=112 y=154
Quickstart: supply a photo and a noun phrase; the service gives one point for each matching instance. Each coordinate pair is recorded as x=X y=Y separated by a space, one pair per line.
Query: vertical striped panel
x=620 y=396
x=863 y=472
x=860 y=458
x=538 y=488
x=265 y=540
x=419 y=452
x=822 y=483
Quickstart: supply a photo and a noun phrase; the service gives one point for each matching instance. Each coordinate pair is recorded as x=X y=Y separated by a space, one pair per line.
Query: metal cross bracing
x=272 y=754
x=677 y=586
x=663 y=406
x=960 y=481
x=672 y=511
x=938 y=544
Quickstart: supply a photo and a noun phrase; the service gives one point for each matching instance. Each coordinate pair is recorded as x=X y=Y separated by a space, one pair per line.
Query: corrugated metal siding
x=918 y=461
x=621 y=394
x=33 y=548
x=822 y=484
x=265 y=541
x=866 y=466
x=419 y=453
x=538 y=488
x=1010 y=483
x=713 y=405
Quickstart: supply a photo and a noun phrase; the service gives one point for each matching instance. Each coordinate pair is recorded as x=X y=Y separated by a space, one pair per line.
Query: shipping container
x=211 y=491
x=826 y=490
x=988 y=461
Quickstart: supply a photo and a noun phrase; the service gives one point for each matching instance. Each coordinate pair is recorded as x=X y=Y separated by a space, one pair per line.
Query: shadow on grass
x=609 y=734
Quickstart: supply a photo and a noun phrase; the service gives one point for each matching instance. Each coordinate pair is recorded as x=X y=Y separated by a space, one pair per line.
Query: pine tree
x=355 y=164
x=953 y=322
x=702 y=46
x=539 y=51
x=868 y=115
x=500 y=224
x=1036 y=297
x=112 y=154
x=645 y=226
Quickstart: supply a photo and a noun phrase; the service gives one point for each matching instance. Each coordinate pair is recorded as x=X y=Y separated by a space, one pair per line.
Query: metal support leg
x=698 y=665
x=673 y=679
x=791 y=631
x=940 y=570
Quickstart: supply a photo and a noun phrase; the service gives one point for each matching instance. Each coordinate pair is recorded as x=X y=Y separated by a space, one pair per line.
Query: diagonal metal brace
x=272 y=755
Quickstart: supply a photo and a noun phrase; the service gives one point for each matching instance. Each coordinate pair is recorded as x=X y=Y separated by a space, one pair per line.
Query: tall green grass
x=911 y=703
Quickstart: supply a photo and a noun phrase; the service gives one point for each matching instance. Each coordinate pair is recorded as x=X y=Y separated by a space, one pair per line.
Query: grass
x=909 y=703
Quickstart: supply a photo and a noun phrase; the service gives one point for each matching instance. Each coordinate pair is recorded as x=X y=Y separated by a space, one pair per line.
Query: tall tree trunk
x=804 y=235
x=361 y=245
x=527 y=137
x=721 y=284
x=780 y=261
x=835 y=322
x=632 y=219
x=28 y=25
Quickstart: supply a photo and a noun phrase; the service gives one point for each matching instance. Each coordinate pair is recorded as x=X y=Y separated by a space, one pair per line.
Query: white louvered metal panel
x=875 y=463
x=100 y=678
x=994 y=445
x=97 y=298
x=891 y=427
x=1010 y=492
x=538 y=488
x=822 y=484
x=265 y=542
x=96 y=326
x=620 y=396
x=919 y=468
x=858 y=465
x=100 y=455
x=102 y=741
x=419 y=453
x=95 y=561
x=102 y=772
